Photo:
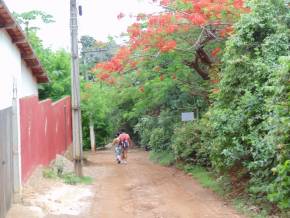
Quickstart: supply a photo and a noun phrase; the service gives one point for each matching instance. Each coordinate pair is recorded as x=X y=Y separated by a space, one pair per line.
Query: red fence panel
x=45 y=131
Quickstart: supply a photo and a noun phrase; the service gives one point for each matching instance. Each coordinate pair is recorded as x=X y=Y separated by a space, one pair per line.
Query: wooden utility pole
x=75 y=87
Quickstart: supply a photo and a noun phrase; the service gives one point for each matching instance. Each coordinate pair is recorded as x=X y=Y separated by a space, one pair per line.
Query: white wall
x=13 y=70
x=10 y=69
x=28 y=82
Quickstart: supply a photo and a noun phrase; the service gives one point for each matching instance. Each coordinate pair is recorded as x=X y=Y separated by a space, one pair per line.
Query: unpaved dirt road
x=139 y=189
x=142 y=189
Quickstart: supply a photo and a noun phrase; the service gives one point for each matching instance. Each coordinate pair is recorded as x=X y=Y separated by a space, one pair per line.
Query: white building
x=20 y=74
x=19 y=66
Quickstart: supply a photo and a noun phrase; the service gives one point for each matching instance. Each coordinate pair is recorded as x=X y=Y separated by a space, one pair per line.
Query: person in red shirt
x=125 y=140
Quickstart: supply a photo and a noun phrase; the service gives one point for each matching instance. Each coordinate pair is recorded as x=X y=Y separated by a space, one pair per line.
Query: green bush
x=95 y=108
x=279 y=190
x=144 y=129
x=49 y=173
x=250 y=116
x=204 y=177
x=72 y=179
x=165 y=158
x=155 y=132
x=245 y=131
x=68 y=178
x=158 y=140
x=188 y=143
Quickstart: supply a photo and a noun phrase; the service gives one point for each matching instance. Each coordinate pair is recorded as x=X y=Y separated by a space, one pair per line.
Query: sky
x=99 y=18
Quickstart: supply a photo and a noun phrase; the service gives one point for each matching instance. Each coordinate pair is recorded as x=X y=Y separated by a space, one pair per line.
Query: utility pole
x=75 y=89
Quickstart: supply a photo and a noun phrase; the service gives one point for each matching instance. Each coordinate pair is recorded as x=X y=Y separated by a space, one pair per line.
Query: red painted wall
x=45 y=131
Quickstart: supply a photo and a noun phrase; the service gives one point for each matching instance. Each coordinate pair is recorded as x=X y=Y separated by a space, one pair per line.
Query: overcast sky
x=99 y=17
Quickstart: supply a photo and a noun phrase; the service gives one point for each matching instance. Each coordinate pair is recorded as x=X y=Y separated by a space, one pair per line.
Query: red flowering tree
x=193 y=27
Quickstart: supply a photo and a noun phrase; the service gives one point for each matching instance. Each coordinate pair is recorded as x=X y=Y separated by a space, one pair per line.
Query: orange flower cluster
x=165 y=2
x=198 y=13
x=134 y=30
x=215 y=51
x=166 y=46
x=116 y=64
x=106 y=77
x=156 y=31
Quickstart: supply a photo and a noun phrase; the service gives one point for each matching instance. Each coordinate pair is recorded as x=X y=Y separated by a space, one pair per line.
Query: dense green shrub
x=250 y=114
x=144 y=129
x=96 y=109
x=158 y=140
x=279 y=134
x=165 y=158
x=279 y=191
x=245 y=131
x=155 y=131
x=183 y=140
x=188 y=143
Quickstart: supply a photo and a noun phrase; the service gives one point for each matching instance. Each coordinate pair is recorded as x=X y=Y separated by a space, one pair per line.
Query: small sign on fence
x=187 y=116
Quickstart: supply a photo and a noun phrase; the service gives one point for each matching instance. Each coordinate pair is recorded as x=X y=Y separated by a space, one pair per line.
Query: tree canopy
x=225 y=60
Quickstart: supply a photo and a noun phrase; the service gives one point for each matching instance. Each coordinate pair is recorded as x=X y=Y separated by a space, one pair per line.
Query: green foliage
x=95 y=107
x=246 y=207
x=246 y=131
x=279 y=191
x=49 y=173
x=56 y=63
x=165 y=158
x=144 y=128
x=204 y=177
x=158 y=140
x=158 y=91
x=72 y=179
x=68 y=178
x=93 y=52
x=188 y=143
x=26 y=18
x=96 y=98
x=250 y=114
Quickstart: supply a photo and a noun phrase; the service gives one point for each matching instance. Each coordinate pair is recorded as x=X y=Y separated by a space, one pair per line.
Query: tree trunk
x=195 y=65
x=92 y=136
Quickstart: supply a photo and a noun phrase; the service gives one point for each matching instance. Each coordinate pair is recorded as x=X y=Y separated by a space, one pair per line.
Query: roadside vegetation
x=226 y=61
x=240 y=99
x=68 y=177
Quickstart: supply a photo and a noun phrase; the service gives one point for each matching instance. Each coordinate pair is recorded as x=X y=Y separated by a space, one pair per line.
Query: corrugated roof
x=8 y=22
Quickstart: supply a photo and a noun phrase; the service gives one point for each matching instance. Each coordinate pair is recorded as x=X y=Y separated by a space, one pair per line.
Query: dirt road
x=141 y=189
